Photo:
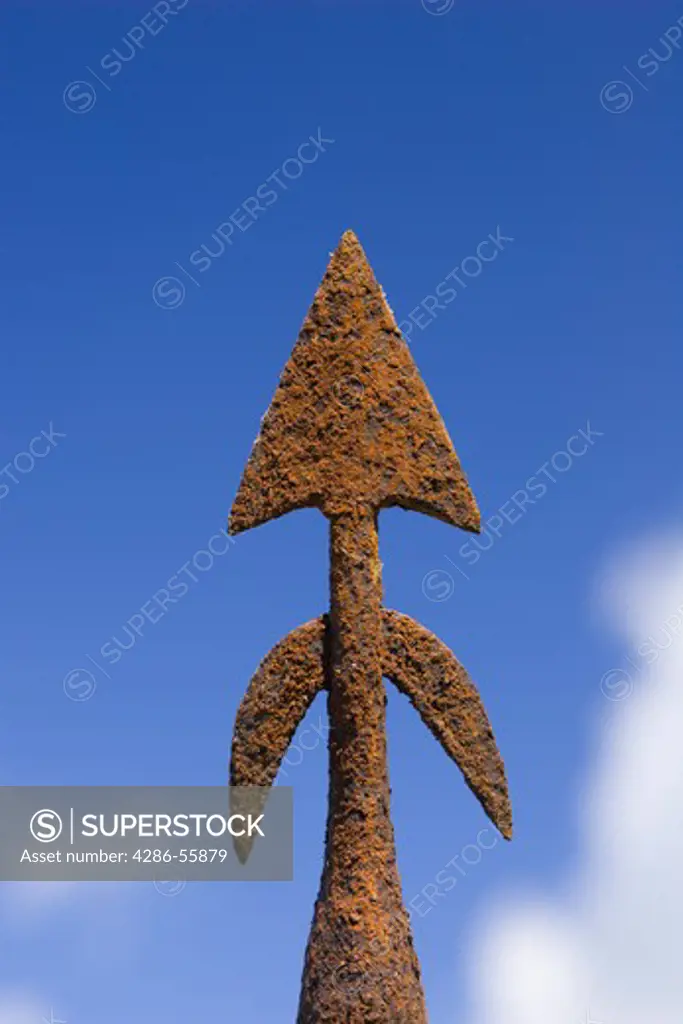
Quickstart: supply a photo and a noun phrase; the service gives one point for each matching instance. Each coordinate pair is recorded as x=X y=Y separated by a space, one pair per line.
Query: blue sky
x=441 y=129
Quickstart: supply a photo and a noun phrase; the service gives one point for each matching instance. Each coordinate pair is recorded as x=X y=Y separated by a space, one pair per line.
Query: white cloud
x=20 y=1008
x=31 y=902
x=103 y=920
x=610 y=948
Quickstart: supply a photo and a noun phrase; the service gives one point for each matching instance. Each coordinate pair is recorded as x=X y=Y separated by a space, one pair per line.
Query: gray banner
x=145 y=833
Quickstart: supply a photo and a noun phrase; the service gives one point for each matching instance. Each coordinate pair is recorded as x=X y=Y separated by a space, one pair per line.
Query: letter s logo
x=46 y=826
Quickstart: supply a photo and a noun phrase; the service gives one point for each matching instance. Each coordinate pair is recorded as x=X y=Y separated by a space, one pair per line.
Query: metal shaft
x=360 y=964
x=353 y=429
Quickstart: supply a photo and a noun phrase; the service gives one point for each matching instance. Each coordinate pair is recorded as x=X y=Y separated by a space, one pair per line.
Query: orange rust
x=352 y=429
x=279 y=695
x=439 y=688
x=416 y=662
x=360 y=962
x=351 y=422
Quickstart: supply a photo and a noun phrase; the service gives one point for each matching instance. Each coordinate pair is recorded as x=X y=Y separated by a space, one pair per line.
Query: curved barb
x=279 y=695
x=420 y=666
x=250 y=802
x=351 y=430
x=437 y=685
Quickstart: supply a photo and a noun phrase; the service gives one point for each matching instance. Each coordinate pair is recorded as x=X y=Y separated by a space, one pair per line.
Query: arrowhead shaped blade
x=351 y=422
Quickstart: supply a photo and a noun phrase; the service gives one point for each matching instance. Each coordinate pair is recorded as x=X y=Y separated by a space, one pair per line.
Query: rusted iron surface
x=279 y=695
x=351 y=423
x=352 y=429
x=428 y=673
x=420 y=666
x=360 y=961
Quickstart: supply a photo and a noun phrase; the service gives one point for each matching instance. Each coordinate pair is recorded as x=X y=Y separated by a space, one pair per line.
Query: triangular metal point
x=352 y=423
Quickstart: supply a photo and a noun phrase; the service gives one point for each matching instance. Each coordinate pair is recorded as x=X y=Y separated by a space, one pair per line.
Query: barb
x=352 y=429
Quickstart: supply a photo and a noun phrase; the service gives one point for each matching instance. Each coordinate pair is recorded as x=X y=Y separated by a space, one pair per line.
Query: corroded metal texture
x=279 y=695
x=351 y=422
x=427 y=672
x=352 y=429
x=360 y=961
x=420 y=666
